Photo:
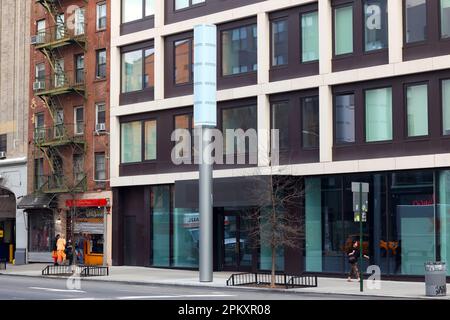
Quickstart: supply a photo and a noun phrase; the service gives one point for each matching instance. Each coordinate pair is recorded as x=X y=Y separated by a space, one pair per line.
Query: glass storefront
x=408 y=214
x=161 y=199
x=41 y=226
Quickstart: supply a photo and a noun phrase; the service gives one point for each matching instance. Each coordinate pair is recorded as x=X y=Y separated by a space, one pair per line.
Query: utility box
x=435 y=279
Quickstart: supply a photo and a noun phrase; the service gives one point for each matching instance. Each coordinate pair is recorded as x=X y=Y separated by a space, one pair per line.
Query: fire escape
x=60 y=138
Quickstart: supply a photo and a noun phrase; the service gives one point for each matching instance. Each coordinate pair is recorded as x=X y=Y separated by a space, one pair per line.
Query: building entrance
x=236 y=252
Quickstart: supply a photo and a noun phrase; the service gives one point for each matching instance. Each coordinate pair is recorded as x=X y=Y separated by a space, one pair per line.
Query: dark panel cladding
x=202 y=9
x=138 y=25
x=401 y=144
x=228 y=192
x=130 y=206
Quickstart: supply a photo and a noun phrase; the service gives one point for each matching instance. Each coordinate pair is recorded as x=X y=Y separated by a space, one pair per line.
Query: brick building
x=68 y=189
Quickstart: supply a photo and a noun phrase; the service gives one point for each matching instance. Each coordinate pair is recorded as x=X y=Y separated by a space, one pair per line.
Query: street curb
x=286 y=291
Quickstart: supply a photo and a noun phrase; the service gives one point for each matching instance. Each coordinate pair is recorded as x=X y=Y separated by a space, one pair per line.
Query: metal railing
x=265 y=278
x=81 y=270
x=57 y=183
x=59 y=33
x=64 y=80
x=64 y=132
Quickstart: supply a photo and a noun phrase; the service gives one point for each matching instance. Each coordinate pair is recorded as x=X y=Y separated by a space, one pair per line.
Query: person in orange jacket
x=61 y=248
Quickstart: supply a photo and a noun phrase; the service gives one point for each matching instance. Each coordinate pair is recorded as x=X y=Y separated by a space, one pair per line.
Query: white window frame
x=98 y=17
x=96 y=112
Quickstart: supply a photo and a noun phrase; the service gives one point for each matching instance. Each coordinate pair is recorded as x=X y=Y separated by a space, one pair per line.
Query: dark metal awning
x=37 y=201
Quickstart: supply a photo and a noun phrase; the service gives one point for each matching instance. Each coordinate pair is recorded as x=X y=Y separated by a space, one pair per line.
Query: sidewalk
x=139 y=275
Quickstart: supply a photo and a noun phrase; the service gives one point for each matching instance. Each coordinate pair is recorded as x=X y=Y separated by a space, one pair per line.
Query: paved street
x=27 y=288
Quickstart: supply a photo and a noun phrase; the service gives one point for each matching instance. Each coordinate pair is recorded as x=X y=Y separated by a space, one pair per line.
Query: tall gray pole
x=206 y=215
x=205 y=118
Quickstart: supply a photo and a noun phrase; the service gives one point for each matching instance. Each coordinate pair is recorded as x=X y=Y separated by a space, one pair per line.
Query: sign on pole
x=205 y=75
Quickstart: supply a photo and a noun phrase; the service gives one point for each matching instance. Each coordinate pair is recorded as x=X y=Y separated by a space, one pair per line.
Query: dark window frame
x=171 y=88
x=146 y=22
x=191 y=128
x=434 y=45
x=209 y=7
x=295 y=66
x=343 y=93
x=3 y=142
x=98 y=26
x=190 y=5
x=142 y=123
x=97 y=64
x=405 y=88
x=296 y=152
x=364 y=91
x=145 y=94
x=359 y=58
x=441 y=105
x=238 y=80
x=400 y=145
x=83 y=70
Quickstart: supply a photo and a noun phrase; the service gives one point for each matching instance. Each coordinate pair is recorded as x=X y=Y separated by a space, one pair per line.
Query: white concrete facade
x=324 y=81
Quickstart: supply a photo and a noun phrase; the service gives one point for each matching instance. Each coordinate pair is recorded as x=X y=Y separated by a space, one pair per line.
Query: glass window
x=345 y=118
x=40 y=31
x=239 y=50
x=417 y=113
x=138 y=70
x=182 y=4
x=79 y=120
x=149 y=71
x=79 y=73
x=238 y=118
x=280 y=122
x=445 y=18
x=186 y=121
x=185 y=237
x=101 y=64
x=78 y=167
x=60 y=26
x=376 y=25
x=131 y=10
x=132 y=71
x=416 y=20
x=310 y=122
x=343 y=30
x=160 y=200
x=310 y=36
x=279 y=43
x=100 y=113
x=39 y=178
x=444 y=215
x=379 y=115
x=100 y=167
x=101 y=16
x=40 y=72
x=183 y=62
x=3 y=142
x=41 y=231
x=446 y=106
x=79 y=21
x=150 y=140
x=131 y=143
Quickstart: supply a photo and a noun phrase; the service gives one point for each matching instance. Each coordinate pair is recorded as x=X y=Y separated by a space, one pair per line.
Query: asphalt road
x=28 y=288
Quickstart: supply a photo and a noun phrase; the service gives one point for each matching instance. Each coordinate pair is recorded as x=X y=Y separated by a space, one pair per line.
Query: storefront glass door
x=237 y=252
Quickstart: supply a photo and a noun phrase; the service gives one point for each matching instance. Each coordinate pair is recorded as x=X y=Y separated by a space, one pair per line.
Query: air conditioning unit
x=2 y=155
x=38 y=85
x=37 y=39
x=100 y=127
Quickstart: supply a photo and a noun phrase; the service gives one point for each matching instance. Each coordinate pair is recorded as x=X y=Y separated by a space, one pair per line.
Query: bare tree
x=276 y=221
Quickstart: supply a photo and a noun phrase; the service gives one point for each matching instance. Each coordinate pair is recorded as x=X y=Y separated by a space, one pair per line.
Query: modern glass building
x=359 y=91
